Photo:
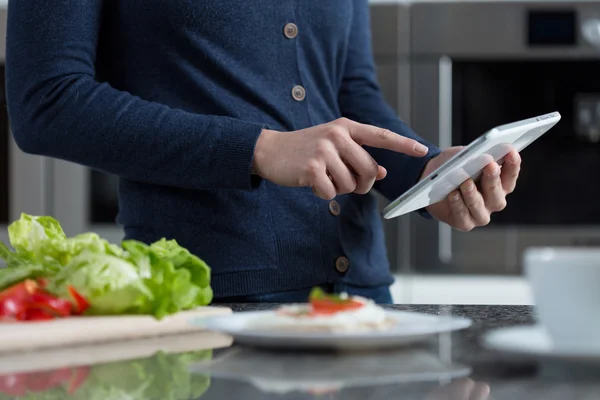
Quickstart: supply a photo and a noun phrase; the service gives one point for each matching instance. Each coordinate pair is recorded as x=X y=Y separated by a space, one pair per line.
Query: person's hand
x=472 y=205
x=461 y=389
x=328 y=157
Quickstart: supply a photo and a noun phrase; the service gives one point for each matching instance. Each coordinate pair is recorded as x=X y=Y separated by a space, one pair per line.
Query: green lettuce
x=182 y=258
x=29 y=234
x=135 y=278
x=12 y=275
x=178 y=279
x=110 y=284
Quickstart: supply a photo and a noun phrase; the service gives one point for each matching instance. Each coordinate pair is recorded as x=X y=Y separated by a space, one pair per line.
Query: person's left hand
x=472 y=205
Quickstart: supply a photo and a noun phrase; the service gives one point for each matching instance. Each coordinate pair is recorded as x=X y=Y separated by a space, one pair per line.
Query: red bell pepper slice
x=81 y=304
x=28 y=301
x=11 y=308
x=13 y=300
x=48 y=302
x=20 y=291
x=41 y=312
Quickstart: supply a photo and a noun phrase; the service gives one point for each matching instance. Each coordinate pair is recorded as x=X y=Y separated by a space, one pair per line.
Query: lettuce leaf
x=176 y=278
x=13 y=275
x=135 y=278
x=182 y=258
x=110 y=284
x=29 y=233
x=41 y=242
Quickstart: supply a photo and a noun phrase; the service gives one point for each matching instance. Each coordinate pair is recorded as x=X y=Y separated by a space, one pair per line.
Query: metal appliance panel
x=442 y=35
x=497 y=29
x=24 y=182
x=73 y=201
x=390 y=26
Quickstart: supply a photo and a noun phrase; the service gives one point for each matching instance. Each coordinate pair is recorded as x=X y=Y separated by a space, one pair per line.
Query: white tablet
x=469 y=163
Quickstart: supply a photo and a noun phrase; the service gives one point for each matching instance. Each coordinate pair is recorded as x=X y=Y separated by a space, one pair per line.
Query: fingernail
x=470 y=187
x=495 y=172
x=455 y=197
x=512 y=159
x=419 y=148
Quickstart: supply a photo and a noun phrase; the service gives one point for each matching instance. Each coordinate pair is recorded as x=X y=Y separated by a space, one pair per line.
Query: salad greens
x=135 y=278
x=162 y=376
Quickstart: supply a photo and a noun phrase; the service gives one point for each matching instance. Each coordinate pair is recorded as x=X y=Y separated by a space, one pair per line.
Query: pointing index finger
x=384 y=139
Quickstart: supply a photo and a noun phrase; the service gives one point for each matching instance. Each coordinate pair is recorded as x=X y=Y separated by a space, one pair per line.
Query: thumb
x=381 y=173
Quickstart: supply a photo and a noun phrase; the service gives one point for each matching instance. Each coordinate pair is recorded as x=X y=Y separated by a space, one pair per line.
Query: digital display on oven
x=552 y=28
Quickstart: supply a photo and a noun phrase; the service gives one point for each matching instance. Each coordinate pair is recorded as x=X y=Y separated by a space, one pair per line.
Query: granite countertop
x=451 y=366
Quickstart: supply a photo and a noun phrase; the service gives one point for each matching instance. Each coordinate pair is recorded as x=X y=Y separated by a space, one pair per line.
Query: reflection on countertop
x=205 y=365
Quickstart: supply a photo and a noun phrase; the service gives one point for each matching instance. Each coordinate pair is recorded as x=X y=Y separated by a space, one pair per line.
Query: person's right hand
x=328 y=157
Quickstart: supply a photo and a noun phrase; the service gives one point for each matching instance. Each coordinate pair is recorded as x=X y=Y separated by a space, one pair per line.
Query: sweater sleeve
x=58 y=109
x=361 y=99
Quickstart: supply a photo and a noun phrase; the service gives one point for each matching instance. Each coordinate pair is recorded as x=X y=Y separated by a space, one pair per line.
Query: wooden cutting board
x=109 y=352
x=27 y=336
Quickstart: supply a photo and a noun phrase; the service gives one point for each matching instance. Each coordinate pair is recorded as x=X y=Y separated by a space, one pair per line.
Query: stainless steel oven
x=391 y=47
x=24 y=179
x=478 y=64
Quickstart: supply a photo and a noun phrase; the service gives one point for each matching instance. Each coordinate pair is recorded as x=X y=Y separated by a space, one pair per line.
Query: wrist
x=261 y=151
x=426 y=169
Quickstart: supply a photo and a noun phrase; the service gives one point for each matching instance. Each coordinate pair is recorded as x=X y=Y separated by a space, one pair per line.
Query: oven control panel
x=552 y=28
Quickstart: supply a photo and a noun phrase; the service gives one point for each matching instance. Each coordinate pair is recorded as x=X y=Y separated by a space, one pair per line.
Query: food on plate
x=162 y=376
x=329 y=312
x=159 y=279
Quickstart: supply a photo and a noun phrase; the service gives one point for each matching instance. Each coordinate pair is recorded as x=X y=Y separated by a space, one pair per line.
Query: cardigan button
x=298 y=93
x=334 y=208
x=342 y=264
x=290 y=30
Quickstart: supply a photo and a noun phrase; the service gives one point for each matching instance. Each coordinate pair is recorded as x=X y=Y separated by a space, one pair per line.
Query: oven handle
x=445 y=141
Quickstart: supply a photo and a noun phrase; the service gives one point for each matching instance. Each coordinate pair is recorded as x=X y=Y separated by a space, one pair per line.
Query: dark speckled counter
x=448 y=367
x=506 y=377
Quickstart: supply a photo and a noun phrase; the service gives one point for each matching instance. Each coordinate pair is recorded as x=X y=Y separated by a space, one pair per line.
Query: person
x=253 y=135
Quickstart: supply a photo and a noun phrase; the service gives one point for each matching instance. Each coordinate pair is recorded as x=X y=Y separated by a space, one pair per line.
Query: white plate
x=284 y=372
x=410 y=327
x=534 y=341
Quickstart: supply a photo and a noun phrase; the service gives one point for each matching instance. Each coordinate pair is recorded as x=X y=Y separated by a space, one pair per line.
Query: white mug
x=566 y=289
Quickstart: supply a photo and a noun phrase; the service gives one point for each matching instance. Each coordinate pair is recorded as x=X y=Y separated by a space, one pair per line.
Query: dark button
x=290 y=30
x=298 y=93
x=334 y=208
x=342 y=264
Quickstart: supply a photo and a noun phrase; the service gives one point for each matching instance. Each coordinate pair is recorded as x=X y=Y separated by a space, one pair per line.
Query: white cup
x=566 y=289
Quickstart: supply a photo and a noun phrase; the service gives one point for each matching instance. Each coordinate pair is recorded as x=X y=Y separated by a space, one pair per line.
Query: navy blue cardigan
x=171 y=95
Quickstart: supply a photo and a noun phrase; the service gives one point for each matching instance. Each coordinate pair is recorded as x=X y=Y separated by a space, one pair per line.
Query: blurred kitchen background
x=452 y=70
